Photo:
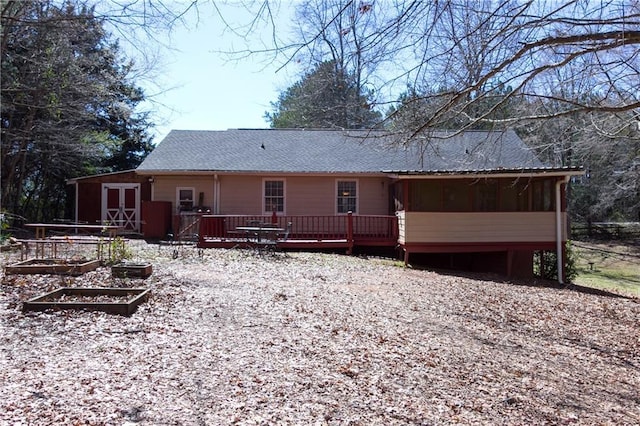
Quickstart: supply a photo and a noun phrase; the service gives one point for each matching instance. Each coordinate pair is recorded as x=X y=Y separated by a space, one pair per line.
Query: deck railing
x=354 y=228
x=186 y=226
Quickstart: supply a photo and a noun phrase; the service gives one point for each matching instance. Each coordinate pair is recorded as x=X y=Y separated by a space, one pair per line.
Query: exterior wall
x=241 y=195
x=90 y=193
x=310 y=195
x=374 y=198
x=89 y=202
x=304 y=195
x=164 y=188
x=478 y=227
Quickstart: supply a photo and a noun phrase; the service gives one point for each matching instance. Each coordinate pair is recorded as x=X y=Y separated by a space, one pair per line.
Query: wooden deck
x=304 y=232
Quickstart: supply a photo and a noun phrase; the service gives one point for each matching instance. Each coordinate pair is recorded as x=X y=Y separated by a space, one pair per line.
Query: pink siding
x=164 y=188
x=374 y=196
x=240 y=195
x=310 y=196
x=304 y=195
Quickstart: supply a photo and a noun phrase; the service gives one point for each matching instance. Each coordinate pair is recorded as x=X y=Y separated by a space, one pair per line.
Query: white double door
x=121 y=205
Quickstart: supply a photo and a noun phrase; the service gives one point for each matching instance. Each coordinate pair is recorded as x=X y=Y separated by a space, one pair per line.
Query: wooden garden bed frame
x=52 y=300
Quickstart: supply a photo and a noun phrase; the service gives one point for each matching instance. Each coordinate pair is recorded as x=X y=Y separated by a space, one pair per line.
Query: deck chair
x=286 y=231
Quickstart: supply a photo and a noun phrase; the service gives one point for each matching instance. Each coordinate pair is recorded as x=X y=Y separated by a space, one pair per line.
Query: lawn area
x=609 y=265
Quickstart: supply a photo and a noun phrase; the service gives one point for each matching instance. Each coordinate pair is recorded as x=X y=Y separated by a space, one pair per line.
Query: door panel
x=121 y=205
x=128 y=212
x=113 y=198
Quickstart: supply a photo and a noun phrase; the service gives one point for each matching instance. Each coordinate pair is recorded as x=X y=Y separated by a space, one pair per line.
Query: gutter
x=483 y=174
x=559 y=256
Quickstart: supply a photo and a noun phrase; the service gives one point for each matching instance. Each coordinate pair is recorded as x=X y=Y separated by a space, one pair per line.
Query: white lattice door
x=121 y=205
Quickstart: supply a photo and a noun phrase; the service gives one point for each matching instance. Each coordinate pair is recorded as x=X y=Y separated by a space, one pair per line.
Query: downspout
x=559 y=224
x=216 y=194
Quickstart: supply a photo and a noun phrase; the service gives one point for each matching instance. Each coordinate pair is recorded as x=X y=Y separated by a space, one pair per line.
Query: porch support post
x=176 y=227
x=509 y=263
x=202 y=230
x=405 y=195
x=350 y=232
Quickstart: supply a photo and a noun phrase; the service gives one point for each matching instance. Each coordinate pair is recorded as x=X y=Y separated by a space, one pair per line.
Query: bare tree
x=343 y=32
x=461 y=50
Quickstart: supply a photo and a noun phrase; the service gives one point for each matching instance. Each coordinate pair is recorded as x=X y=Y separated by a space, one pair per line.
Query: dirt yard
x=237 y=337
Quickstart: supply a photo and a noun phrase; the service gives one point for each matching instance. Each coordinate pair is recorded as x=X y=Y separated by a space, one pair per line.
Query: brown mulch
x=239 y=337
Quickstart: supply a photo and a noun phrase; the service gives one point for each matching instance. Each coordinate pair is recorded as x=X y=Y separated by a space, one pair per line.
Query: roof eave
x=161 y=172
x=71 y=181
x=505 y=173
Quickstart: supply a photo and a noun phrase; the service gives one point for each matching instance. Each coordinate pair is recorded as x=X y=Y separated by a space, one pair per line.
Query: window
x=456 y=196
x=184 y=198
x=425 y=196
x=514 y=196
x=347 y=200
x=543 y=195
x=485 y=196
x=274 y=196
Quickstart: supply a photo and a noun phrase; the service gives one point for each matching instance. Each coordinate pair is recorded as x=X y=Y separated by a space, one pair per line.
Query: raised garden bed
x=120 y=301
x=53 y=266
x=132 y=270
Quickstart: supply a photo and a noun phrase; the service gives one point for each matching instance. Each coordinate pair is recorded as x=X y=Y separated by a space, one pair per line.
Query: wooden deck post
x=203 y=229
x=176 y=226
x=509 y=263
x=350 y=232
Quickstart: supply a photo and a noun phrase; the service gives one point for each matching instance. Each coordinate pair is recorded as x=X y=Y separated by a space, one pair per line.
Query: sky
x=197 y=88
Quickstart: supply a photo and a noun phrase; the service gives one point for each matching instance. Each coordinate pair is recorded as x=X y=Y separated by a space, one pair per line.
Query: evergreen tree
x=67 y=105
x=327 y=97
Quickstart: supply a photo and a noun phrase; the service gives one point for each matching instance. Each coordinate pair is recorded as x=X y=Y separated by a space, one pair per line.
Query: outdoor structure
x=111 y=198
x=475 y=200
x=120 y=199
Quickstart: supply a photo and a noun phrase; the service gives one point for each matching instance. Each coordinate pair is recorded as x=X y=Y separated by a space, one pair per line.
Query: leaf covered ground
x=239 y=337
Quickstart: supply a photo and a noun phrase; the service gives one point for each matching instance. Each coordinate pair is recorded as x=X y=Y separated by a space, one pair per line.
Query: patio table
x=41 y=228
x=261 y=232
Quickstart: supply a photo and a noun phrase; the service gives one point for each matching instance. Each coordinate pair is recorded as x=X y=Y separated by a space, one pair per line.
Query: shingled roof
x=336 y=151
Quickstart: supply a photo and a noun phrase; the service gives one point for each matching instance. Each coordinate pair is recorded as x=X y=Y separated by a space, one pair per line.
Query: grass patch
x=609 y=265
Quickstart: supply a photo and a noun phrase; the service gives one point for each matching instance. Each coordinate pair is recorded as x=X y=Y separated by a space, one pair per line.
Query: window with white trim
x=184 y=198
x=347 y=196
x=273 y=196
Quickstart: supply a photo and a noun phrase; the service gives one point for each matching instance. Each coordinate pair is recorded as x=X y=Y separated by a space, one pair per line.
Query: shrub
x=550 y=264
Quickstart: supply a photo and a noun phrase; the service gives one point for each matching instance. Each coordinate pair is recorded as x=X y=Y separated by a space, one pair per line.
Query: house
x=474 y=200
